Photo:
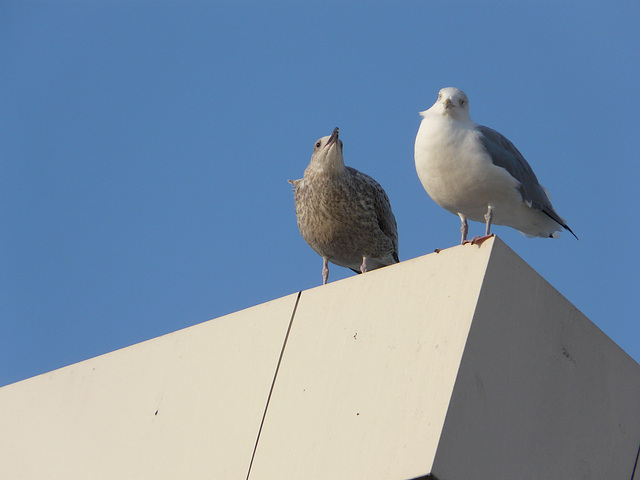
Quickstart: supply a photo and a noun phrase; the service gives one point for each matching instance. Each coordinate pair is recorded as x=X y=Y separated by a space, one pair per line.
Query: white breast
x=456 y=171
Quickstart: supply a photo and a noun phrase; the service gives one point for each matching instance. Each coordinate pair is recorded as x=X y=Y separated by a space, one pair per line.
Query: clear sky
x=145 y=149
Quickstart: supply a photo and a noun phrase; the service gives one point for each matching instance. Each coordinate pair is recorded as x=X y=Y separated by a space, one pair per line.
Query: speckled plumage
x=343 y=214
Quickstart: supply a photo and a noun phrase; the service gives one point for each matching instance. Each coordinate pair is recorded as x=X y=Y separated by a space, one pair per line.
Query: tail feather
x=554 y=216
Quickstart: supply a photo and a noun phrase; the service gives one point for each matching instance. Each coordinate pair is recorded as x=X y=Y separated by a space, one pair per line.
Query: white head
x=452 y=103
x=327 y=153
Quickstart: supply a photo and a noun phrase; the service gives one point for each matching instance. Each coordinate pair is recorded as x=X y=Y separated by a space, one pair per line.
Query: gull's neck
x=331 y=164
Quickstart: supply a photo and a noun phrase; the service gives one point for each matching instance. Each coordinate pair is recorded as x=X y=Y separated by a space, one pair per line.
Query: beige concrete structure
x=459 y=365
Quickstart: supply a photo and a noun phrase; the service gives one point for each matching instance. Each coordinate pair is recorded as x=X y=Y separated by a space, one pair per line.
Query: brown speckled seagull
x=343 y=214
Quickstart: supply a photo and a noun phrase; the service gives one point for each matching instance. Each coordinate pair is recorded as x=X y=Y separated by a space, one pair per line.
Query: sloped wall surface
x=464 y=364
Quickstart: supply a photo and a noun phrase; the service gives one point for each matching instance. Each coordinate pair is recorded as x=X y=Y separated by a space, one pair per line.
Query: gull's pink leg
x=487 y=233
x=363 y=267
x=325 y=270
x=479 y=240
x=464 y=228
x=487 y=218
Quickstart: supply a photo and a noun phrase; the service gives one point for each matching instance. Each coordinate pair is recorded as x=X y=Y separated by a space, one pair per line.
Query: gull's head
x=327 y=152
x=452 y=103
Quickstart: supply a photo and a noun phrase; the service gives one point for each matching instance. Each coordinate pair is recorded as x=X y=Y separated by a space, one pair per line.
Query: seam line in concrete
x=273 y=382
x=635 y=465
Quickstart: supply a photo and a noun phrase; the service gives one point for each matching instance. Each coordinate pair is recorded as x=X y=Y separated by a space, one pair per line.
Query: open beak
x=333 y=138
x=447 y=103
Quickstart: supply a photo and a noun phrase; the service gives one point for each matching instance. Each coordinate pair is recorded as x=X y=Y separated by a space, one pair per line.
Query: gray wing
x=382 y=205
x=504 y=154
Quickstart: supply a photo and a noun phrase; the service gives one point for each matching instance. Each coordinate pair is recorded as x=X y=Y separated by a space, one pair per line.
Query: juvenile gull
x=343 y=214
x=478 y=174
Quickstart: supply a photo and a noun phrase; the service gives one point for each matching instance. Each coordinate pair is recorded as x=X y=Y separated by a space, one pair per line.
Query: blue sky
x=145 y=149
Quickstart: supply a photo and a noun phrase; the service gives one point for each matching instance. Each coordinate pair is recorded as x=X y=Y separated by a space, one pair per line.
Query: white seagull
x=343 y=214
x=478 y=174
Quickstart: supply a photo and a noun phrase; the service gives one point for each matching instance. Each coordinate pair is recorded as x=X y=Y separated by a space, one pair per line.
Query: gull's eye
x=462 y=101
x=318 y=145
x=439 y=96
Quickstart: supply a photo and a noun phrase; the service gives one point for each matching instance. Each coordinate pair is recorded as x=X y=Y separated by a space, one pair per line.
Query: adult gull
x=343 y=214
x=478 y=174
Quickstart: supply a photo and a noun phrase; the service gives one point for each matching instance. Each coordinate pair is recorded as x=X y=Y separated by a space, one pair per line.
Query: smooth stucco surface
x=184 y=405
x=464 y=363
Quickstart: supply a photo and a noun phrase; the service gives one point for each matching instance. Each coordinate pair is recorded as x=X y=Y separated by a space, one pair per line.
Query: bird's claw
x=478 y=240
